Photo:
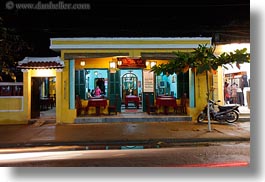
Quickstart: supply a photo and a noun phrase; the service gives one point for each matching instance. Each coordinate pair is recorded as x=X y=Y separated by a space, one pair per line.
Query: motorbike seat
x=225 y=108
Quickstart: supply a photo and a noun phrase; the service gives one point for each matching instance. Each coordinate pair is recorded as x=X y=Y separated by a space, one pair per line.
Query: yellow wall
x=200 y=94
x=27 y=93
x=93 y=63
x=18 y=112
x=63 y=113
x=11 y=103
x=59 y=93
x=216 y=91
x=12 y=110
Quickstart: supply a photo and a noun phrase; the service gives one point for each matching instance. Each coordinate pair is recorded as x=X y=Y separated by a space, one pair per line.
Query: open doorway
x=129 y=85
x=43 y=98
x=131 y=90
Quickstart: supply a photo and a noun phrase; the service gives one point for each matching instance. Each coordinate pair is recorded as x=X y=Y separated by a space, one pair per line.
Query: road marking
x=212 y=165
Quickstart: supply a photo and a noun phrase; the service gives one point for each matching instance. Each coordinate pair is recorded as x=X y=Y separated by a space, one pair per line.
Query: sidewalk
x=118 y=133
x=244 y=113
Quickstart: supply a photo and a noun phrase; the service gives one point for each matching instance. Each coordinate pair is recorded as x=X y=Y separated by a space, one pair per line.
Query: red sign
x=126 y=62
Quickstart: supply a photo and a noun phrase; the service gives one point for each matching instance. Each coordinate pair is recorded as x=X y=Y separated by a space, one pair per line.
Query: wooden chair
x=182 y=107
x=78 y=105
x=113 y=108
x=150 y=108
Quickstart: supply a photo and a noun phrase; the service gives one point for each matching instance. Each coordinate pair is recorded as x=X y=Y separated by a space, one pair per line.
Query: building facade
x=120 y=67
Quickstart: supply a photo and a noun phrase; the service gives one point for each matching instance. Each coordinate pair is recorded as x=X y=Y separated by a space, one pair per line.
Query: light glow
x=43 y=72
x=231 y=47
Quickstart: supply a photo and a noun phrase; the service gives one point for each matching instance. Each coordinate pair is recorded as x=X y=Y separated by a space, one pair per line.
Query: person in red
x=97 y=91
x=227 y=93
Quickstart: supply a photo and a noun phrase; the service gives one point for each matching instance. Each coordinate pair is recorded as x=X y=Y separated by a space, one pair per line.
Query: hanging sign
x=127 y=62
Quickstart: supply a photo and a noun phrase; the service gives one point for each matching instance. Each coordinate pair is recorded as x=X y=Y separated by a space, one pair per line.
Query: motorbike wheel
x=235 y=116
x=201 y=117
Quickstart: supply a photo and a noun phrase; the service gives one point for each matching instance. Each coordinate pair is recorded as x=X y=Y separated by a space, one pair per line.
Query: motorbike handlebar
x=213 y=102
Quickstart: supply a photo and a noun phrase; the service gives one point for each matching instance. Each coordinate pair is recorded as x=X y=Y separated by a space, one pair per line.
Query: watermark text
x=61 y=5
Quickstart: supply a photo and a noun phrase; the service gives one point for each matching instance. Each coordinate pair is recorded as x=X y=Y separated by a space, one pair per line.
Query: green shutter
x=114 y=89
x=80 y=81
x=151 y=99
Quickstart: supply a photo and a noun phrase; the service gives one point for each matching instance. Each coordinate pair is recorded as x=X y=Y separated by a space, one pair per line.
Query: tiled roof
x=41 y=63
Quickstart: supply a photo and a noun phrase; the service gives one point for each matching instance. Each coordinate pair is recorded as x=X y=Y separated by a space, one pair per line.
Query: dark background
x=226 y=21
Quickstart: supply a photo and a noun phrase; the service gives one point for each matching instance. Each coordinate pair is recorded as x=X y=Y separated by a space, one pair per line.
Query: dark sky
x=135 y=18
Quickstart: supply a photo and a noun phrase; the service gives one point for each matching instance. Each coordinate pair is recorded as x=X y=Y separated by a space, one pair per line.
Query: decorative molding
x=24 y=70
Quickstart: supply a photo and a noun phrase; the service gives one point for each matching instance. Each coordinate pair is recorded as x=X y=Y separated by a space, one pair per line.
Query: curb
x=243 y=119
x=152 y=142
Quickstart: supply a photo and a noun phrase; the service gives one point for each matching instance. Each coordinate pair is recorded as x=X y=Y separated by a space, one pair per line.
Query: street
x=218 y=154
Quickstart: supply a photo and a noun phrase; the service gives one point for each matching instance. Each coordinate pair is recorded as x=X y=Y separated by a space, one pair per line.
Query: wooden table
x=97 y=103
x=132 y=98
x=166 y=102
x=45 y=103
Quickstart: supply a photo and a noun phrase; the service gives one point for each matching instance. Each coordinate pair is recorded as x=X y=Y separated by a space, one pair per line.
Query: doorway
x=129 y=85
x=131 y=90
x=43 y=97
x=35 y=97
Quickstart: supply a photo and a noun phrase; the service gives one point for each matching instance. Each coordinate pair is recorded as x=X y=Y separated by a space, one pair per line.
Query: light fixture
x=153 y=63
x=119 y=62
x=147 y=63
x=112 y=65
x=82 y=63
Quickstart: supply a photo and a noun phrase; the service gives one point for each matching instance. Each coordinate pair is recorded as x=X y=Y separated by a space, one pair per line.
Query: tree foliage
x=12 y=49
x=202 y=59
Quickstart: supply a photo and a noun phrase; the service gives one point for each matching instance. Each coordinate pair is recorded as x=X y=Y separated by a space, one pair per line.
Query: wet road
x=228 y=154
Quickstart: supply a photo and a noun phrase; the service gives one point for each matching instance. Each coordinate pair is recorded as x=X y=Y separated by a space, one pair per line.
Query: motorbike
x=227 y=114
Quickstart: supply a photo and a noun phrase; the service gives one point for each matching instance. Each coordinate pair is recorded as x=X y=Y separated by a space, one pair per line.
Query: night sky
x=117 y=18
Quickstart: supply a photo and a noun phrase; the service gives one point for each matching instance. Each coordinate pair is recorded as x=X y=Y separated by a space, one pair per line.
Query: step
x=132 y=118
x=42 y=120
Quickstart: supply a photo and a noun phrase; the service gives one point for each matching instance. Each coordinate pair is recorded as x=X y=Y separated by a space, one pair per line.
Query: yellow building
x=119 y=66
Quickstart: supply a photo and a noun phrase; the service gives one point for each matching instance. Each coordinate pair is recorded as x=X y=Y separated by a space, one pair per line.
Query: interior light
x=82 y=63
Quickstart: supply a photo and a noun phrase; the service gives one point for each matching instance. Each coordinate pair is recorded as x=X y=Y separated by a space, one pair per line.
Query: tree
x=12 y=49
x=203 y=60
